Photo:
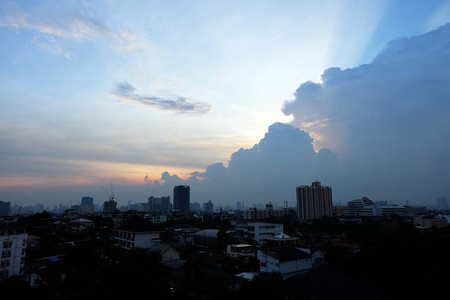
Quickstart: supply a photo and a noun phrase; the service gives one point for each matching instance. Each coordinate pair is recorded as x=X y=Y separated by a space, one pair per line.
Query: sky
x=240 y=100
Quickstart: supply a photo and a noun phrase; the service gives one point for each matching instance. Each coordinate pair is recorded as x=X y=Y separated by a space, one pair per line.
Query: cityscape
x=201 y=150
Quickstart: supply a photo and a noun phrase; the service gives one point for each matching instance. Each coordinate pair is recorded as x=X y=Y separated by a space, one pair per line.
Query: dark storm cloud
x=126 y=92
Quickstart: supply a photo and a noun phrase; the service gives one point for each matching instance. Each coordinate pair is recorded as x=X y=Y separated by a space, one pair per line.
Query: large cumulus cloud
x=268 y=171
x=380 y=130
x=388 y=121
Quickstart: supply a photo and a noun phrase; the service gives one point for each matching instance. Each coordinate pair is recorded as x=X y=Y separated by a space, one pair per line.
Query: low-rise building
x=130 y=239
x=166 y=251
x=240 y=250
x=289 y=261
x=430 y=222
x=257 y=231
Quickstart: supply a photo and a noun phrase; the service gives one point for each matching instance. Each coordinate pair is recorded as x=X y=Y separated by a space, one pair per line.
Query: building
x=257 y=231
x=208 y=207
x=87 y=200
x=166 y=251
x=282 y=240
x=13 y=244
x=87 y=204
x=259 y=214
x=110 y=206
x=289 y=261
x=240 y=250
x=181 y=198
x=135 y=238
x=430 y=222
x=159 y=204
x=441 y=203
x=314 y=202
x=5 y=208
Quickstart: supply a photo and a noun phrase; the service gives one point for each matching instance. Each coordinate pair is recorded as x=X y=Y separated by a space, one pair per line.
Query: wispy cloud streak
x=125 y=91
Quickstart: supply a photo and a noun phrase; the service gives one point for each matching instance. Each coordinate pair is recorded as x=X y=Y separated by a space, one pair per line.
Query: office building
x=314 y=202
x=181 y=198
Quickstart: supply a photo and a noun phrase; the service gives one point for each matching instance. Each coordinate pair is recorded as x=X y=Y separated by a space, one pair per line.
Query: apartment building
x=13 y=244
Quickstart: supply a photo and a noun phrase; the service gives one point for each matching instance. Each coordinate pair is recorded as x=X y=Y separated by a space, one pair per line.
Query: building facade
x=289 y=261
x=257 y=231
x=260 y=214
x=181 y=198
x=13 y=244
x=314 y=202
x=131 y=239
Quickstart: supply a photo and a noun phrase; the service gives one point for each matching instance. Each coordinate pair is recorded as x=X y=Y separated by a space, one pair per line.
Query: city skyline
x=239 y=101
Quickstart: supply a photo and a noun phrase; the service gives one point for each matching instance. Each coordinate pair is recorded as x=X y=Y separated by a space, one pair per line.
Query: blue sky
x=148 y=94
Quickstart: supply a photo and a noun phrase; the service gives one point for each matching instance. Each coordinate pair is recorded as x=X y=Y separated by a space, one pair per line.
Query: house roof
x=160 y=247
x=283 y=254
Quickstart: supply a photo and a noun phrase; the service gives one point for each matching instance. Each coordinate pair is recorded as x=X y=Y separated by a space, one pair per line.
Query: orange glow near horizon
x=98 y=173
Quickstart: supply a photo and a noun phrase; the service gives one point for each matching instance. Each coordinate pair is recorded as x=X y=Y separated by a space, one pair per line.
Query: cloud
x=47 y=43
x=268 y=171
x=127 y=41
x=126 y=92
x=70 y=27
x=387 y=120
x=381 y=130
x=74 y=26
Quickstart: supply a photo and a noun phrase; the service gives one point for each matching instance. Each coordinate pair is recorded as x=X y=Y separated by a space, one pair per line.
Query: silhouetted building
x=181 y=198
x=5 y=208
x=87 y=200
x=87 y=204
x=441 y=203
x=259 y=214
x=314 y=202
x=208 y=207
x=110 y=206
x=159 y=204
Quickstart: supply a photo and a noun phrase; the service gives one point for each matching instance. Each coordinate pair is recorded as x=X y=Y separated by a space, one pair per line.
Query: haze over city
x=240 y=100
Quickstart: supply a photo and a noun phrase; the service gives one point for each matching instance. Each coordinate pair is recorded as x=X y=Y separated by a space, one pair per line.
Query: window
x=7 y=244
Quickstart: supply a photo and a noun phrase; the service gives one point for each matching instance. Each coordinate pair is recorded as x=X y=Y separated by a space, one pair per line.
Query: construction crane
x=111 y=197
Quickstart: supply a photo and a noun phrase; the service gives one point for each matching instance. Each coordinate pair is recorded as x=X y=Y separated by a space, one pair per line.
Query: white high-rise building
x=13 y=244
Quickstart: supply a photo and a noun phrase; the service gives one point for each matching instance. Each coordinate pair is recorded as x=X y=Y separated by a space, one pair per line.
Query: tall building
x=314 y=202
x=87 y=201
x=181 y=198
x=159 y=204
x=87 y=204
x=5 y=208
x=208 y=207
x=13 y=244
x=442 y=203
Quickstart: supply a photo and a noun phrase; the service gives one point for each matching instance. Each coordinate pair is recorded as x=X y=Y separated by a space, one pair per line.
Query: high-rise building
x=159 y=204
x=13 y=244
x=181 y=198
x=442 y=203
x=5 y=208
x=314 y=202
x=208 y=207
x=87 y=201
